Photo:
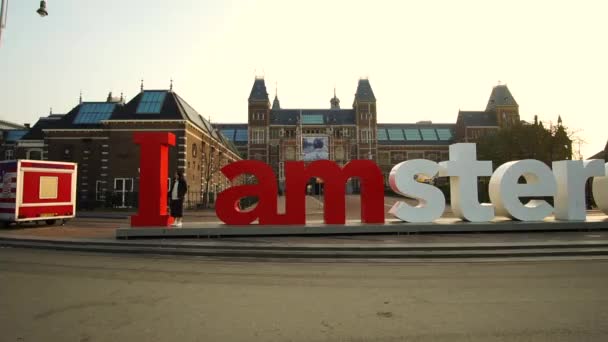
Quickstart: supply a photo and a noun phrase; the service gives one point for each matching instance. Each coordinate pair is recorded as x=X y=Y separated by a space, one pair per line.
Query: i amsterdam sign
x=565 y=182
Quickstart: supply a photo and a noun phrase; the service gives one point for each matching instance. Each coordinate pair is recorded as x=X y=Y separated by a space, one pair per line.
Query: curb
x=315 y=252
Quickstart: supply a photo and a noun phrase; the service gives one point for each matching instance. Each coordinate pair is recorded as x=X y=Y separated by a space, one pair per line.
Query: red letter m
x=334 y=181
x=297 y=175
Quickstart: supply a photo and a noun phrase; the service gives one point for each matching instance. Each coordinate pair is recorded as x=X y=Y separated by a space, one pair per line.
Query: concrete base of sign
x=444 y=225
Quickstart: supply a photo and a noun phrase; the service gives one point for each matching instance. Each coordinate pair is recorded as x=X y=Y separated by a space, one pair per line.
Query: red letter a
x=227 y=205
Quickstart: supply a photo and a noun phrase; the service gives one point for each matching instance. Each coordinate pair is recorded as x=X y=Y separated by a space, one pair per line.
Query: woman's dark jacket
x=182 y=188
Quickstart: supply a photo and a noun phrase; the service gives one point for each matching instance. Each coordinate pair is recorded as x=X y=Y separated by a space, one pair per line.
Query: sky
x=425 y=59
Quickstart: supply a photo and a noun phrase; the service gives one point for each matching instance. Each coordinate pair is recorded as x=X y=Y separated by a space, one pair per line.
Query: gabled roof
x=168 y=106
x=501 y=96
x=324 y=116
x=477 y=118
x=258 y=91
x=364 y=91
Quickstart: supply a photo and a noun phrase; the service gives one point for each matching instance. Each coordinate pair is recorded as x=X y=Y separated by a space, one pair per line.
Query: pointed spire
x=171 y=85
x=535 y=120
x=51 y=111
x=122 y=98
x=109 y=97
x=559 y=120
x=276 y=104
x=80 y=98
x=141 y=87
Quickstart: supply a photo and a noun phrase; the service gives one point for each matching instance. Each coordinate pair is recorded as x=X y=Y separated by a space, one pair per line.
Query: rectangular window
x=151 y=102
x=434 y=156
x=274 y=133
x=290 y=153
x=428 y=134
x=415 y=155
x=241 y=135
x=258 y=135
x=382 y=136
x=99 y=195
x=365 y=135
x=395 y=134
x=444 y=134
x=312 y=119
x=412 y=134
x=9 y=155
x=397 y=157
x=93 y=113
x=228 y=133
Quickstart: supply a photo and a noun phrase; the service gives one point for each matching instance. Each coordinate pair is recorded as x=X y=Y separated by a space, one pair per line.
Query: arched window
x=194 y=150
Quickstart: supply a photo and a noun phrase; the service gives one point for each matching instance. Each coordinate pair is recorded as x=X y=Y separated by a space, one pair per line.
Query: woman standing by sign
x=179 y=187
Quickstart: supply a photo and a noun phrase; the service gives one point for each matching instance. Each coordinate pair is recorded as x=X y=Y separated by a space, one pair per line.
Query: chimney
x=27 y=125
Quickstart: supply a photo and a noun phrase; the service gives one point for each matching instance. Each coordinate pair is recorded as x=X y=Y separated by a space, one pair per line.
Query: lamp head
x=42 y=10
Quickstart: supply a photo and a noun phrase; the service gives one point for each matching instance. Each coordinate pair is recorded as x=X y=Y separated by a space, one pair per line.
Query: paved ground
x=52 y=296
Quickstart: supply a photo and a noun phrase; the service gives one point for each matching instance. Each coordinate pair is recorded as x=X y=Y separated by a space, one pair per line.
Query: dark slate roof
x=258 y=91
x=172 y=108
x=12 y=135
x=364 y=91
x=234 y=132
x=67 y=121
x=599 y=155
x=169 y=110
x=330 y=116
x=602 y=154
x=36 y=133
x=441 y=134
x=501 y=96
x=477 y=118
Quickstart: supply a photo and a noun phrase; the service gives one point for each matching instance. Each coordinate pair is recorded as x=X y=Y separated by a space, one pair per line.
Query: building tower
x=505 y=107
x=334 y=101
x=259 y=121
x=365 y=119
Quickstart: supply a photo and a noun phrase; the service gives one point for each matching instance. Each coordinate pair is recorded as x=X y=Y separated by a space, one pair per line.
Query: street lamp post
x=4 y=13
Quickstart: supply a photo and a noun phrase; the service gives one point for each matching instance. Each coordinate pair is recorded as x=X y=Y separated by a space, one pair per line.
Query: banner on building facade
x=315 y=148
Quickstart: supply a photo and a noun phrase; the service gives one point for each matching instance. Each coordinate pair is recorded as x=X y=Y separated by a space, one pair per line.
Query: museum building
x=275 y=134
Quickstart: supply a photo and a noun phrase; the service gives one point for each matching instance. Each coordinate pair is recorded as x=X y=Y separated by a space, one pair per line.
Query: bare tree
x=212 y=161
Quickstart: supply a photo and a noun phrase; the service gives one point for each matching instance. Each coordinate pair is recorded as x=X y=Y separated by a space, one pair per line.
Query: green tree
x=526 y=141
